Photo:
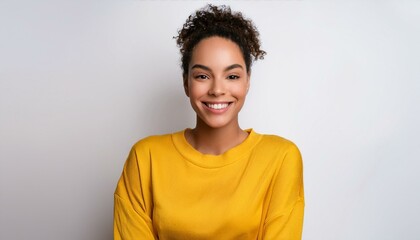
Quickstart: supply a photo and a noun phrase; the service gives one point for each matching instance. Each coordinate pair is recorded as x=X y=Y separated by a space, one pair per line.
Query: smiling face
x=217 y=82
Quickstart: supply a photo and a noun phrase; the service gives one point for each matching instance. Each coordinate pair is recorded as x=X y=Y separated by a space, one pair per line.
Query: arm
x=133 y=202
x=285 y=213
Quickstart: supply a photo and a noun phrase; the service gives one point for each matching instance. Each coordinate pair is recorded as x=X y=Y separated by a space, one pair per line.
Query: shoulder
x=142 y=151
x=279 y=149
x=152 y=142
x=284 y=153
x=278 y=144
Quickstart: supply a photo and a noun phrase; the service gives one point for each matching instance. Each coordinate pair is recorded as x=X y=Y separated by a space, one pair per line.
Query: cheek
x=241 y=90
x=197 y=90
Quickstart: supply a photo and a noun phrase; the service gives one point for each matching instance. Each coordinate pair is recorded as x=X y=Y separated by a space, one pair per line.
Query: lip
x=216 y=111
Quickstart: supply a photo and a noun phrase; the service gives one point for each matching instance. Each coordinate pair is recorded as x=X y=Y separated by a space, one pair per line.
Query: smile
x=217 y=106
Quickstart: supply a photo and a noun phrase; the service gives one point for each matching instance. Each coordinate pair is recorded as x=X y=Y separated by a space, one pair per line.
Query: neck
x=215 y=141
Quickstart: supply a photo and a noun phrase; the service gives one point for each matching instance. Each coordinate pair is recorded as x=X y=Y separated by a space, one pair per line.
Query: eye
x=201 y=76
x=233 y=77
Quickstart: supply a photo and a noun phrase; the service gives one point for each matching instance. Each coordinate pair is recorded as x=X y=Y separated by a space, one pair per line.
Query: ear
x=185 y=80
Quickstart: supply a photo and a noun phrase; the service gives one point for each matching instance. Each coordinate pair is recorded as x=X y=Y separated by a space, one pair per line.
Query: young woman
x=215 y=181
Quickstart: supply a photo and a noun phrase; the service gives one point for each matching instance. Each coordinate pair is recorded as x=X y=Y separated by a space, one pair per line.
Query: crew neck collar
x=214 y=161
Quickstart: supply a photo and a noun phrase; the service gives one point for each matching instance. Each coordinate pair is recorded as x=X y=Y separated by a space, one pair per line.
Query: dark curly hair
x=219 y=21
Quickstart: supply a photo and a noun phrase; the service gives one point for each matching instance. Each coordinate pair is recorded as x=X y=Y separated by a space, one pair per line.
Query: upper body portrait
x=216 y=180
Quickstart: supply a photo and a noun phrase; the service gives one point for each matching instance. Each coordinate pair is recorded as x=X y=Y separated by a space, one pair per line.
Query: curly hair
x=219 y=21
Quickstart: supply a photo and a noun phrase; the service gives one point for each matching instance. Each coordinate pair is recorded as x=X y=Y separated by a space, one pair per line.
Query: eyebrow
x=233 y=66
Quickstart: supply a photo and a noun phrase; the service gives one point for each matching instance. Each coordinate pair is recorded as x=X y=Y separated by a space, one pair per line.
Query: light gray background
x=81 y=81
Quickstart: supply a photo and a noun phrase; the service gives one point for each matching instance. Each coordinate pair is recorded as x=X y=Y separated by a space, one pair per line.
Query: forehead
x=217 y=51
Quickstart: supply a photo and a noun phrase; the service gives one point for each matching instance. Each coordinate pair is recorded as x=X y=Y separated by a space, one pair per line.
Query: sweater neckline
x=214 y=161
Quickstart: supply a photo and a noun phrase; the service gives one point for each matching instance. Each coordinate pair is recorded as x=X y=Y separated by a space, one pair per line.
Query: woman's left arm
x=284 y=219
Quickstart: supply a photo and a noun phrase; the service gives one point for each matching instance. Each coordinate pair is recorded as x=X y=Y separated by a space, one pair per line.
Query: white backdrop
x=81 y=81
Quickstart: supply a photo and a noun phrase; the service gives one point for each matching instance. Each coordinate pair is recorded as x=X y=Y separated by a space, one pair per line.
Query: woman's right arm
x=133 y=200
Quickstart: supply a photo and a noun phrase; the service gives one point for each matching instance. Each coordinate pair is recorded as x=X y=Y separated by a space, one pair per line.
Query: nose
x=217 y=88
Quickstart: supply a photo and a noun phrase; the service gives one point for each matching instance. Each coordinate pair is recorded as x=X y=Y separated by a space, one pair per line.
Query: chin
x=217 y=124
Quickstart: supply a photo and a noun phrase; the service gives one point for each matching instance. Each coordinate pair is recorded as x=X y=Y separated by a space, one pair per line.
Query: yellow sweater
x=169 y=190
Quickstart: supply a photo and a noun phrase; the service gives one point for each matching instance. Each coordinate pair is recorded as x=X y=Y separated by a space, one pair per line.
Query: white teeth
x=217 y=105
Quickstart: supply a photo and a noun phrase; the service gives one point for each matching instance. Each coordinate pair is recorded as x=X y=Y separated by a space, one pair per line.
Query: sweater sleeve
x=133 y=202
x=284 y=219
